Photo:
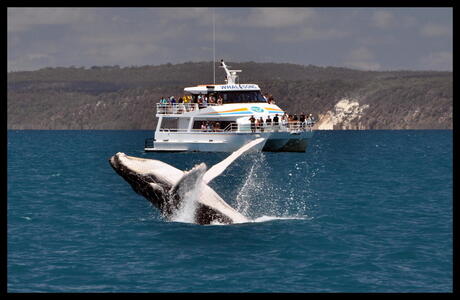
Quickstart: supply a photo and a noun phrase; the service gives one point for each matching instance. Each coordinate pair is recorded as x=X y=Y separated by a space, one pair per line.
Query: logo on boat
x=238 y=86
x=257 y=109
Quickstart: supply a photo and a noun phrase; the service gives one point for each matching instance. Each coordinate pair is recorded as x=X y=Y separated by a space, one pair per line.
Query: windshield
x=242 y=97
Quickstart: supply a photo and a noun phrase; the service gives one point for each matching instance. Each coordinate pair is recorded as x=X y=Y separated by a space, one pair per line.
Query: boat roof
x=209 y=88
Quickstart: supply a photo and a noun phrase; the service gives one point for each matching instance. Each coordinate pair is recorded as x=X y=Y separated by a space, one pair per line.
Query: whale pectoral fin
x=189 y=180
x=217 y=169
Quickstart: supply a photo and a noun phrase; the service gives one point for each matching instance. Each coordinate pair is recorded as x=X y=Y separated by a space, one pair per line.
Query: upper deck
x=211 y=88
x=175 y=109
x=213 y=110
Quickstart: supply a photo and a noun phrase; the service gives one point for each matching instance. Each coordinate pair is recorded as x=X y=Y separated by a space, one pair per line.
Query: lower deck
x=276 y=141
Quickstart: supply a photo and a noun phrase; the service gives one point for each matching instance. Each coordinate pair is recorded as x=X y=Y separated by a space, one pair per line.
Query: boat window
x=169 y=123
x=217 y=125
x=242 y=97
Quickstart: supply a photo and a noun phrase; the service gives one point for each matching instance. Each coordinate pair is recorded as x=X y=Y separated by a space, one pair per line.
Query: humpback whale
x=167 y=187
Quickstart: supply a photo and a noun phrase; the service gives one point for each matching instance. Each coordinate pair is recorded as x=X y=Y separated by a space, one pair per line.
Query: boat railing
x=175 y=108
x=180 y=108
x=231 y=127
x=292 y=127
x=179 y=130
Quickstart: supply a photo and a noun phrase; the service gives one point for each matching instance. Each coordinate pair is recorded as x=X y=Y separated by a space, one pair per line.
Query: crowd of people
x=290 y=121
x=171 y=105
x=204 y=100
x=210 y=126
x=201 y=100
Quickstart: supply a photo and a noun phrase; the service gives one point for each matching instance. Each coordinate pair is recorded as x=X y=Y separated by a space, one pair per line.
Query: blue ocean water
x=361 y=211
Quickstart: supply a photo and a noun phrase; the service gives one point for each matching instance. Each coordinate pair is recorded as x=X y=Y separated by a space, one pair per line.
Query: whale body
x=167 y=187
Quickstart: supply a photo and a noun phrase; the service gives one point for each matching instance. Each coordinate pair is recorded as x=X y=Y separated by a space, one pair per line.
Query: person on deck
x=205 y=101
x=268 y=121
x=284 y=119
x=295 y=121
x=275 y=120
x=302 y=120
x=163 y=105
x=261 y=124
x=253 y=125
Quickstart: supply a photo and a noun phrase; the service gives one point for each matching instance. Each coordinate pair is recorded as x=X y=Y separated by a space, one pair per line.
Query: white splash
x=257 y=201
x=186 y=212
x=274 y=218
x=264 y=219
x=253 y=185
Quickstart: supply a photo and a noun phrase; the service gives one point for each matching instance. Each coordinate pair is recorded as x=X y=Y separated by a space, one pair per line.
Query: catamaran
x=224 y=117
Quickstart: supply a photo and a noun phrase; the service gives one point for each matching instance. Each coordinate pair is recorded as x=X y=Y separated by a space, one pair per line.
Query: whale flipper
x=217 y=169
x=189 y=179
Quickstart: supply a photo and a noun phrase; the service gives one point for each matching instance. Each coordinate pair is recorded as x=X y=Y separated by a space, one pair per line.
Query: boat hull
x=229 y=142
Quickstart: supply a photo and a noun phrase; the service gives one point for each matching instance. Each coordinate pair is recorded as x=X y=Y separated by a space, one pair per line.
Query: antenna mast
x=214 y=46
x=232 y=77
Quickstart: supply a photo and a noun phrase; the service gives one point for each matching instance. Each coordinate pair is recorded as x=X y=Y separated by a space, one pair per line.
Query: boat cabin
x=236 y=93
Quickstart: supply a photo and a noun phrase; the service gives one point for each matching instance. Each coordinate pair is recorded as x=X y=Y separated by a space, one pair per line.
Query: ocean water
x=360 y=211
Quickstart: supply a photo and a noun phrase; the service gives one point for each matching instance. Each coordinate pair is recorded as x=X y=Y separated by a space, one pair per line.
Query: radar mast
x=232 y=77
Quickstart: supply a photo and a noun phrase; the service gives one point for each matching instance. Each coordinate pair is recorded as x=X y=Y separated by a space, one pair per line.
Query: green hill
x=110 y=97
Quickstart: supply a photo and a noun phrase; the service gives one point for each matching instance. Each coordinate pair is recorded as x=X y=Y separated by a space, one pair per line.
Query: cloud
x=362 y=58
x=294 y=24
x=361 y=53
x=133 y=53
x=31 y=60
x=268 y=17
x=22 y=19
x=280 y=17
x=436 y=30
x=383 y=19
x=41 y=37
x=409 y=22
x=441 y=60
x=311 y=33
x=179 y=13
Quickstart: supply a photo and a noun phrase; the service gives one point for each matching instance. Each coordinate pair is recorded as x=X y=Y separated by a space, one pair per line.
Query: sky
x=383 y=38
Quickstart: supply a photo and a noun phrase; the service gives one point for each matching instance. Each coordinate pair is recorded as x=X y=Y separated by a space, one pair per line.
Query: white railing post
x=160 y=119
x=190 y=124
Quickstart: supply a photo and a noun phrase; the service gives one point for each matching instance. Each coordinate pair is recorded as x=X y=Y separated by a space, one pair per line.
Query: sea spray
x=264 y=196
x=186 y=212
x=250 y=187
x=252 y=201
x=189 y=192
x=242 y=199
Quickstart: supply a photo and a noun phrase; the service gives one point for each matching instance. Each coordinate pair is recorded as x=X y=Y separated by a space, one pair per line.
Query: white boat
x=181 y=126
